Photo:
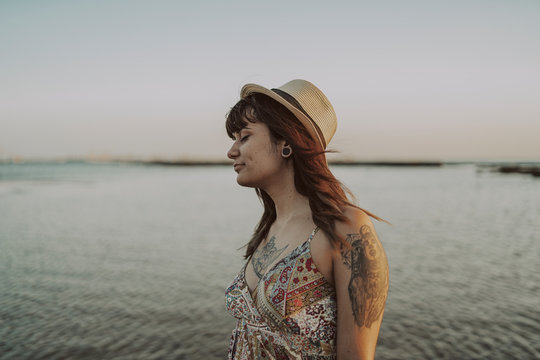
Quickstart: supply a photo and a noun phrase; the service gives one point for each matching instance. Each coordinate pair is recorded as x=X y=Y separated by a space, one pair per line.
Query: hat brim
x=310 y=126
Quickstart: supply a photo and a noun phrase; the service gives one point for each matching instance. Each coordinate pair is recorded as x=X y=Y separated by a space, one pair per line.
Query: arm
x=361 y=280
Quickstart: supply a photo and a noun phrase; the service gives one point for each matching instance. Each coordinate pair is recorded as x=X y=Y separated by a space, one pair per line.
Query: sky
x=409 y=80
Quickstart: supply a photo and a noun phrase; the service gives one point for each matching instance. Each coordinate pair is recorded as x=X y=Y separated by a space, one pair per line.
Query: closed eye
x=243 y=139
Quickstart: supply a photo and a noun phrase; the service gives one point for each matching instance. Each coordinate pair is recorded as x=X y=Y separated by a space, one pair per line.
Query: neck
x=288 y=201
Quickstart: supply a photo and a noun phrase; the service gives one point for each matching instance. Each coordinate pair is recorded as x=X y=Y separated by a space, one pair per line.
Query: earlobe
x=286 y=151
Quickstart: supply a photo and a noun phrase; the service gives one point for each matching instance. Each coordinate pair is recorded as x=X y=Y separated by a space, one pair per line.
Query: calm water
x=131 y=262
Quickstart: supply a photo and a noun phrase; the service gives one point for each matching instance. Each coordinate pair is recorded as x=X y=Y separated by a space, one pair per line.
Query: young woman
x=316 y=278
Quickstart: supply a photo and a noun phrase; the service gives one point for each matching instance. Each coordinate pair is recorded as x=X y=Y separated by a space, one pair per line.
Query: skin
x=358 y=272
x=261 y=164
x=361 y=281
x=256 y=159
x=265 y=255
x=366 y=285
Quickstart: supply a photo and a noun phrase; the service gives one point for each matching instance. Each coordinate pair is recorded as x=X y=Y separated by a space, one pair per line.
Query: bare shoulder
x=356 y=220
x=358 y=231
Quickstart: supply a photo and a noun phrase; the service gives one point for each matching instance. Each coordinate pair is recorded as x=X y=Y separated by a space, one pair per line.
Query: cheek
x=251 y=155
x=254 y=153
x=261 y=156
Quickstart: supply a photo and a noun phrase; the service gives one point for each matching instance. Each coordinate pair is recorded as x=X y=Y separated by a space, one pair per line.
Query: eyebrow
x=244 y=128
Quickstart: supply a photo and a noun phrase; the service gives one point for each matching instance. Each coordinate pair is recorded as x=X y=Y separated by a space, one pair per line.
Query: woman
x=316 y=278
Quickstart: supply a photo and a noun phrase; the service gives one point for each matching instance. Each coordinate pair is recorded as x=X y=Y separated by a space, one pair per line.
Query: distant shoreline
x=347 y=163
x=229 y=162
x=505 y=167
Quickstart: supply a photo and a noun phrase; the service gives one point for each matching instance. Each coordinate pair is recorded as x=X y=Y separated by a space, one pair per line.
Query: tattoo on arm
x=265 y=256
x=368 y=286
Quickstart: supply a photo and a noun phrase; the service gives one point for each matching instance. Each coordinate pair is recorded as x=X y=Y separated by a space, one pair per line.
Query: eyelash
x=244 y=138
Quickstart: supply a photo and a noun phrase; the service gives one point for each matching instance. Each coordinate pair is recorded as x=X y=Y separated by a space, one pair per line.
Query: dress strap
x=313 y=233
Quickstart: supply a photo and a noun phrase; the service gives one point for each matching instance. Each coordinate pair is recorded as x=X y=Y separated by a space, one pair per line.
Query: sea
x=131 y=261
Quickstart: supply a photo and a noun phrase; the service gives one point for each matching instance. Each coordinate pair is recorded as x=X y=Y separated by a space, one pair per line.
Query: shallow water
x=131 y=262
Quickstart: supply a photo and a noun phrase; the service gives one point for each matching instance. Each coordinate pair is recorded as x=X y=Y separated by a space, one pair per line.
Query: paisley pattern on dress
x=292 y=313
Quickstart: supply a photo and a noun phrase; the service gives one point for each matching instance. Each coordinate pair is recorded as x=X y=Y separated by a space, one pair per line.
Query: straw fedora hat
x=307 y=103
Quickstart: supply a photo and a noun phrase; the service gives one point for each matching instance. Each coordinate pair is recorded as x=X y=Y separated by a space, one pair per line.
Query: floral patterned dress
x=292 y=313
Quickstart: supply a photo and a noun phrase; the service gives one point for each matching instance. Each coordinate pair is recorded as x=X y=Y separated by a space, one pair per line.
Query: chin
x=243 y=181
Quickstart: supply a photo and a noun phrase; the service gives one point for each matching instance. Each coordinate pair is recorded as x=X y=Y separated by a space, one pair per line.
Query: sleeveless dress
x=292 y=313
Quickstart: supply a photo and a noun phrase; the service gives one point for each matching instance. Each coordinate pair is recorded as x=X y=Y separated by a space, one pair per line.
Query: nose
x=233 y=151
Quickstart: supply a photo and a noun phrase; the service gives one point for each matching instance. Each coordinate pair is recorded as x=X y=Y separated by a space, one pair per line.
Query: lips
x=237 y=167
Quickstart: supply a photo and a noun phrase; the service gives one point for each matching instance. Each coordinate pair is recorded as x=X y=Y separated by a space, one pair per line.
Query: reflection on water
x=131 y=262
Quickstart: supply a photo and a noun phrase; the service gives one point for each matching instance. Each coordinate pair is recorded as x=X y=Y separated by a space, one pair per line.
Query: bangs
x=238 y=118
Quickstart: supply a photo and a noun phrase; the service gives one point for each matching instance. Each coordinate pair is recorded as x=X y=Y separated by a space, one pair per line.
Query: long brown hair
x=312 y=177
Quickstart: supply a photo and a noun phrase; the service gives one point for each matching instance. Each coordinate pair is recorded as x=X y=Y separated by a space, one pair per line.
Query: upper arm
x=361 y=280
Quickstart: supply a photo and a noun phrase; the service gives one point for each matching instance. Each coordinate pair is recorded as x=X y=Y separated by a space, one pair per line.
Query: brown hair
x=312 y=177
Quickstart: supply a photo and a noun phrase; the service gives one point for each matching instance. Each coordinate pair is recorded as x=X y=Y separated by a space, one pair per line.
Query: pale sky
x=409 y=80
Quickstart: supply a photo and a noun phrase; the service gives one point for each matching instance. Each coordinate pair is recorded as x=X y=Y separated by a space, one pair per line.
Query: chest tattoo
x=266 y=255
